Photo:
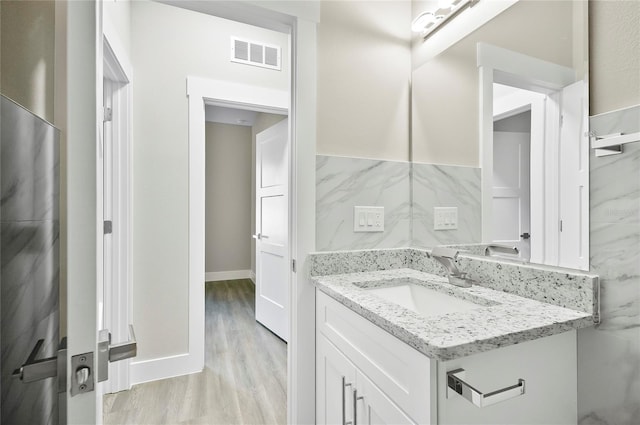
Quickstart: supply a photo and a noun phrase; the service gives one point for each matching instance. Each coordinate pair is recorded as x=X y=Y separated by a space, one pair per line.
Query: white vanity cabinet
x=345 y=395
x=358 y=364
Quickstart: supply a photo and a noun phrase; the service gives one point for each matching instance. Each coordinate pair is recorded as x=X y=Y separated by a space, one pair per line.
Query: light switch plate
x=445 y=218
x=368 y=219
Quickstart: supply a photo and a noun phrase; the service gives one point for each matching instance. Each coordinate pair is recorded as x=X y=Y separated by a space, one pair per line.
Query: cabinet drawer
x=401 y=372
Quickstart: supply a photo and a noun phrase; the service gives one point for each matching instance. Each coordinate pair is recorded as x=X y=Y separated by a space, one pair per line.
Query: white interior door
x=272 y=229
x=574 y=180
x=511 y=190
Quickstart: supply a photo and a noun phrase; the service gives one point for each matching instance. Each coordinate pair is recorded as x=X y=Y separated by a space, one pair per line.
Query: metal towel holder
x=456 y=384
x=611 y=144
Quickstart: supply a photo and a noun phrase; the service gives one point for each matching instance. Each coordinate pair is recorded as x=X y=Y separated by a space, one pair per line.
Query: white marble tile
x=29 y=166
x=342 y=183
x=609 y=355
x=446 y=186
x=608 y=384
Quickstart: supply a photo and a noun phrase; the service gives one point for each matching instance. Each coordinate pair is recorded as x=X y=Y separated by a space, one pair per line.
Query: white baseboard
x=229 y=275
x=253 y=277
x=162 y=368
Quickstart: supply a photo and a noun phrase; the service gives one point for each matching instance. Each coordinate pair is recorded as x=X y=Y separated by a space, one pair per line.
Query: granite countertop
x=501 y=318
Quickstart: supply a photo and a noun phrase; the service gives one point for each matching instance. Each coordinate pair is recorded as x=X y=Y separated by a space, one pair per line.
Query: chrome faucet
x=447 y=257
x=503 y=249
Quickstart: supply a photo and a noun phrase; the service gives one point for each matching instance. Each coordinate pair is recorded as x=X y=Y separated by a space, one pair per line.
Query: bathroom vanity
x=397 y=344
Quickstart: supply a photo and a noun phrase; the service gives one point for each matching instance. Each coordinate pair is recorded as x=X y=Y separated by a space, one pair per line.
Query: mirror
x=499 y=123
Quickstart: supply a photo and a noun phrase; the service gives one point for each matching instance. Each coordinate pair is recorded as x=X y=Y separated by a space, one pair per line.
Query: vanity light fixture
x=428 y=22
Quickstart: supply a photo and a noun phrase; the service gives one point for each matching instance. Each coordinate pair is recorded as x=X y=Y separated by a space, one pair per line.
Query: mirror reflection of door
x=538 y=179
x=511 y=220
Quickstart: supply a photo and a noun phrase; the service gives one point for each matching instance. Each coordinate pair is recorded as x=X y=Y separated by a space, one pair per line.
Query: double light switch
x=368 y=219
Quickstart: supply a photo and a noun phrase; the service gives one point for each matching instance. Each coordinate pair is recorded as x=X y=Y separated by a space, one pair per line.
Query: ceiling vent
x=257 y=54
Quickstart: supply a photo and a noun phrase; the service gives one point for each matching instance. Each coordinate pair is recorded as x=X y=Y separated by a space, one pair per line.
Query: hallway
x=244 y=380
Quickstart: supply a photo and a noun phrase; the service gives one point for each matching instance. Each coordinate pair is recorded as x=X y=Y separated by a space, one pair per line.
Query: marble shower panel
x=342 y=183
x=29 y=256
x=609 y=354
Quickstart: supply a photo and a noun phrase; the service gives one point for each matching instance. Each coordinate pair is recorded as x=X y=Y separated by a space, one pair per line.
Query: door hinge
x=561 y=120
x=108 y=115
x=108 y=227
x=561 y=225
x=293 y=265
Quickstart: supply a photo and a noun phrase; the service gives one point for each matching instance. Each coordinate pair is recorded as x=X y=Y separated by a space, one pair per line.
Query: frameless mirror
x=499 y=131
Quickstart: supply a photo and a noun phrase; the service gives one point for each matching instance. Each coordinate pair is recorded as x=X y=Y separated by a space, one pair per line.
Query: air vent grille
x=256 y=53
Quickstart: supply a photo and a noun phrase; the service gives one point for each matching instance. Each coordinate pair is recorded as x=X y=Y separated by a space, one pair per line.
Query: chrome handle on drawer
x=355 y=406
x=455 y=383
x=344 y=407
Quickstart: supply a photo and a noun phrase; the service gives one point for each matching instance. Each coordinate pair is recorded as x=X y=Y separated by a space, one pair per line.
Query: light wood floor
x=244 y=380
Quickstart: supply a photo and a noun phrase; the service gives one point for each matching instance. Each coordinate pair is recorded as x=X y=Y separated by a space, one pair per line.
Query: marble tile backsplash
x=409 y=192
x=445 y=186
x=342 y=183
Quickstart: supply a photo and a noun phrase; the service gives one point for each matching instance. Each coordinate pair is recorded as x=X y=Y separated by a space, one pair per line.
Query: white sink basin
x=424 y=301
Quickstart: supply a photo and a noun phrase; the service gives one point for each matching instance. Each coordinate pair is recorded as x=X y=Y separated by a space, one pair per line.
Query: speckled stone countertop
x=501 y=318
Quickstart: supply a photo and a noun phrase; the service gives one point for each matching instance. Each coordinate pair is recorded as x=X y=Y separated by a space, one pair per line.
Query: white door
x=272 y=229
x=574 y=180
x=511 y=190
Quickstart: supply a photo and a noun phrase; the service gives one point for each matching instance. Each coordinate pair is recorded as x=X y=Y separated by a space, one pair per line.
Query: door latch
x=113 y=353
x=82 y=374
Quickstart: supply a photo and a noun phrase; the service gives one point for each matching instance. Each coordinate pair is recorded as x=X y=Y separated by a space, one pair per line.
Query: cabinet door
x=335 y=381
x=374 y=407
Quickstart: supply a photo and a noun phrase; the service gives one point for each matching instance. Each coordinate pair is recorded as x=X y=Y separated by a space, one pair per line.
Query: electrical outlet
x=445 y=218
x=368 y=219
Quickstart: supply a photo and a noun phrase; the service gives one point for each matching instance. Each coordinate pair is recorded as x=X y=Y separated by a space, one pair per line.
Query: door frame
x=498 y=65
x=118 y=297
x=81 y=28
x=300 y=20
x=202 y=92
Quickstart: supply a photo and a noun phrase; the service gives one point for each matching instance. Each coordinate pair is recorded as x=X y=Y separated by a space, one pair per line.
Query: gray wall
x=228 y=198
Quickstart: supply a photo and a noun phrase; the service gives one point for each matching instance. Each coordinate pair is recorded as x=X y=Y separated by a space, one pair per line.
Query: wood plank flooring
x=244 y=380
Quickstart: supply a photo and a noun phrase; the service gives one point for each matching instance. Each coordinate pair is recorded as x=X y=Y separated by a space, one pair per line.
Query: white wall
x=228 y=198
x=167 y=45
x=364 y=67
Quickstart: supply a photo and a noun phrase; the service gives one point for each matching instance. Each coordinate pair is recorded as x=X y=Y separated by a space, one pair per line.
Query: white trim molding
x=164 y=367
x=229 y=275
x=201 y=91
